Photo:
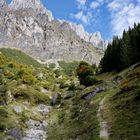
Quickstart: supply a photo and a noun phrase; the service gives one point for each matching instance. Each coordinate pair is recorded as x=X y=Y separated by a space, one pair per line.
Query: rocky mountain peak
x=94 y=38
x=35 y=5
x=2 y=3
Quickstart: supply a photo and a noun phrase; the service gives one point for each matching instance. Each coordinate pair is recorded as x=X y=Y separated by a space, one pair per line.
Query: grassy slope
x=75 y=118
x=20 y=82
x=123 y=107
x=19 y=57
x=121 y=110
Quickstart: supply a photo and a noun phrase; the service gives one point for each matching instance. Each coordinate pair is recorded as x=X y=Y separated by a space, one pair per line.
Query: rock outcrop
x=94 y=38
x=28 y=25
x=35 y=5
x=2 y=3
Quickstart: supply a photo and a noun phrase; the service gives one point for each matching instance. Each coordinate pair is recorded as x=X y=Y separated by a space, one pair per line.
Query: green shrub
x=72 y=86
x=2 y=127
x=26 y=75
x=84 y=69
x=61 y=117
x=85 y=74
x=88 y=81
x=31 y=95
x=3 y=113
x=57 y=73
x=63 y=85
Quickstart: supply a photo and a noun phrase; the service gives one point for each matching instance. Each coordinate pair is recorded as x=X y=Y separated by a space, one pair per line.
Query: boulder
x=37 y=130
x=15 y=133
x=18 y=109
x=43 y=109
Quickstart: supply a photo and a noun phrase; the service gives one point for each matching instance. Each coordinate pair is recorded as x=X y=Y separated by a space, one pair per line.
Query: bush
x=72 y=86
x=85 y=74
x=57 y=73
x=2 y=127
x=63 y=85
x=88 y=81
x=32 y=96
x=3 y=113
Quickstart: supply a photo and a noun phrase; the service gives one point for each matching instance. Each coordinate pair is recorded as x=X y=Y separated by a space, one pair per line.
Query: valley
x=60 y=82
x=38 y=102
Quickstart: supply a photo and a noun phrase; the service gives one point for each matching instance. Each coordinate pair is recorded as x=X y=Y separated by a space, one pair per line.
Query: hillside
x=112 y=113
x=43 y=103
x=19 y=57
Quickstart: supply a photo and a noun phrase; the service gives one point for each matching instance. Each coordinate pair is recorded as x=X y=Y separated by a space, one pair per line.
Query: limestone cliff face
x=94 y=38
x=28 y=25
x=35 y=5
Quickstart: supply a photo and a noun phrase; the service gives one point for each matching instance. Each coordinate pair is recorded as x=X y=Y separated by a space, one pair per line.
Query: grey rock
x=89 y=95
x=39 y=75
x=55 y=99
x=43 y=90
x=117 y=79
x=1 y=71
x=18 y=109
x=16 y=133
x=43 y=109
x=2 y=3
x=36 y=130
x=36 y=5
x=68 y=95
x=94 y=38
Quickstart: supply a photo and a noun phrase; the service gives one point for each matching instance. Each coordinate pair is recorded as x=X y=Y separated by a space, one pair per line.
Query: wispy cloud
x=81 y=2
x=95 y=4
x=84 y=15
x=123 y=15
x=85 y=18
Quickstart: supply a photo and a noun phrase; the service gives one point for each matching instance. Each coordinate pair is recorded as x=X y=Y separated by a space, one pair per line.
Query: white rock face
x=2 y=2
x=94 y=38
x=29 y=26
x=36 y=5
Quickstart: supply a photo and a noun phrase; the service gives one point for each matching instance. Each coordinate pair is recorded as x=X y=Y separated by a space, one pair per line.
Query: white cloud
x=84 y=14
x=114 y=5
x=95 y=4
x=123 y=15
x=84 y=18
x=81 y=2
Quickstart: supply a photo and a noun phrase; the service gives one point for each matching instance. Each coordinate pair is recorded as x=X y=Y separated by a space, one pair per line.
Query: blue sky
x=110 y=17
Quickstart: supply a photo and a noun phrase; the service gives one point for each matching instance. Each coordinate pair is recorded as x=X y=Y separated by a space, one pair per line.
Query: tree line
x=122 y=52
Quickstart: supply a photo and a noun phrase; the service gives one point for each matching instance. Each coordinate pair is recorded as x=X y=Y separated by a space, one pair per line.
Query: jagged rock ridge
x=28 y=25
x=94 y=38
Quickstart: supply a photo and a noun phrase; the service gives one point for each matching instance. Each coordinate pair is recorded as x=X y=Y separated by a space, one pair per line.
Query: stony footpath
x=104 y=134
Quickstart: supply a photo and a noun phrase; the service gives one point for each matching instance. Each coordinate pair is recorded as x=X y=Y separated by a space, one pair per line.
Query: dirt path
x=103 y=124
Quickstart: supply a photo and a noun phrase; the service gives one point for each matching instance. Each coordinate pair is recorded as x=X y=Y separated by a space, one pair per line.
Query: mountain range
x=31 y=27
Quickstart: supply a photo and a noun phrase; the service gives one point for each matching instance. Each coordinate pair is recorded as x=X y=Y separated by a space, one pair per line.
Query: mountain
x=28 y=25
x=94 y=38
x=35 y=5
